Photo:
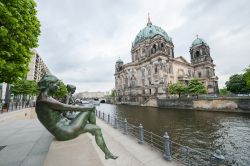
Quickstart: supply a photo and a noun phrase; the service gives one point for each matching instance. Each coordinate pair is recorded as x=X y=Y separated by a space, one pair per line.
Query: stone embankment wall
x=230 y=104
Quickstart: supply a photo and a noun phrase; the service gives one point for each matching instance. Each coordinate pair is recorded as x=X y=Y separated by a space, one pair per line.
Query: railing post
x=141 y=134
x=12 y=106
x=125 y=127
x=103 y=118
x=167 y=154
x=115 y=124
x=108 y=118
x=187 y=156
x=219 y=158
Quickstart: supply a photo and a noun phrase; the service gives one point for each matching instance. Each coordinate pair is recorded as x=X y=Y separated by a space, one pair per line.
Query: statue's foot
x=110 y=156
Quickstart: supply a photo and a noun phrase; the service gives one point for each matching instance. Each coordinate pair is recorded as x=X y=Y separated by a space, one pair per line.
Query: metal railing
x=170 y=149
x=18 y=105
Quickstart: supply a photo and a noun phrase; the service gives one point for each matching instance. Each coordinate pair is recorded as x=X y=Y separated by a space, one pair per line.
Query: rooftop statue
x=49 y=112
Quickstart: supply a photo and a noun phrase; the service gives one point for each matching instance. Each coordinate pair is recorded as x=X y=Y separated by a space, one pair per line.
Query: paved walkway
x=26 y=143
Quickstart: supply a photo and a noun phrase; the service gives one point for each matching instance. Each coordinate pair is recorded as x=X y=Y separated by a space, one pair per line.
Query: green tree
x=113 y=93
x=195 y=87
x=19 y=31
x=224 y=91
x=237 y=84
x=246 y=77
x=25 y=88
x=177 y=88
x=61 y=92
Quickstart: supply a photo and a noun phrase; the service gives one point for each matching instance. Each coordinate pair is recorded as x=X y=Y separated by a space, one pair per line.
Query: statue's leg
x=72 y=130
x=95 y=130
x=79 y=122
x=92 y=118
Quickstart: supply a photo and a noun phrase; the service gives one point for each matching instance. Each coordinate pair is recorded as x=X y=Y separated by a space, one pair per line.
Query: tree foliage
x=236 y=84
x=195 y=87
x=177 y=88
x=113 y=93
x=246 y=77
x=19 y=31
x=25 y=87
x=224 y=91
x=61 y=92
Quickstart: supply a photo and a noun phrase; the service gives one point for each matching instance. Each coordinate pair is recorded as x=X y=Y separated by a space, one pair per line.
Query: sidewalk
x=24 y=143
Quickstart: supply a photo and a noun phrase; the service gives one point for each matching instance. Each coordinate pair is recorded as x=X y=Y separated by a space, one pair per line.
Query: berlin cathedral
x=154 y=66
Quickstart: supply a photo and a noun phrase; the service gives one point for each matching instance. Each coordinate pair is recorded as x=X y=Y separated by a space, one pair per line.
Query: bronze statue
x=49 y=112
x=70 y=100
x=71 y=90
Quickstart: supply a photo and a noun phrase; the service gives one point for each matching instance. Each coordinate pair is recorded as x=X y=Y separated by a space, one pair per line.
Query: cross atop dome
x=149 y=21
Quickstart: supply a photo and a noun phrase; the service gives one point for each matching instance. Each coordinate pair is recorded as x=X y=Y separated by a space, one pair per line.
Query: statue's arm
x=65 y=107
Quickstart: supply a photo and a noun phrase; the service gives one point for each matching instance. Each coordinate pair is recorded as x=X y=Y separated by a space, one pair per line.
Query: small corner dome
x=151 y=31
x=119 y=61
x=198 y=41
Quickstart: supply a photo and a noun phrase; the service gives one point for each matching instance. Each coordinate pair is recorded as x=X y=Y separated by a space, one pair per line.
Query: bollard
x=187 y=156
x=103 y=118
x=141 y=134
x=115 y=124
x=219 y=158
x=167 y=154
x=125 y=127
x=96 y=112
x=108 y=118
x=99 y=114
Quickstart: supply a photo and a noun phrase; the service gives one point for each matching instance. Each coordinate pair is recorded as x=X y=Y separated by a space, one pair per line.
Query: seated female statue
x=49 y=112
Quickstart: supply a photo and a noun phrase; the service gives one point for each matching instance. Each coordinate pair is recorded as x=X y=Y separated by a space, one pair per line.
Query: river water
x=229 y=132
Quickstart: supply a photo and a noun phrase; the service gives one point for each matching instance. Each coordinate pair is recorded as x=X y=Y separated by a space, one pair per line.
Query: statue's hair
x=71 y=88
x=46 y=80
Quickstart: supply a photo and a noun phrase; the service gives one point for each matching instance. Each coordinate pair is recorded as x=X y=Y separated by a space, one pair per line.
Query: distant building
x=89 y=95
x=154 y=66
x=37 y=68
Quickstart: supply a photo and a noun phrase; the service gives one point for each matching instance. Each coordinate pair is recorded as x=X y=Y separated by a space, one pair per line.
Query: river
x=229 y=132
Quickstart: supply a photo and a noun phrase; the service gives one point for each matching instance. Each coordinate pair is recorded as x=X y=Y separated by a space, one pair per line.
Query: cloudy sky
x=82 y=39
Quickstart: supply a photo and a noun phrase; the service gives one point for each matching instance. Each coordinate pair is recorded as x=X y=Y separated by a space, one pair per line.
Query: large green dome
x=149 y=32
x=198 y=41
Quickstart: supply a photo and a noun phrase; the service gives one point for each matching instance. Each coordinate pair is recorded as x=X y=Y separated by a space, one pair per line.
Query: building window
x=143 y=72
x=197 y=53
x=199 y=74
x=162 y=47
x=143 y=82
x=153 y=50
x=156 y=70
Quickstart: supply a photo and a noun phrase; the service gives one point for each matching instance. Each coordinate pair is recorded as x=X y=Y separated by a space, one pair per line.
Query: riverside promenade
x=24 y=141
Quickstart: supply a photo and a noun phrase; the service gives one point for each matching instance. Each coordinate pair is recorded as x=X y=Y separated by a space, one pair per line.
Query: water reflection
x=229 y=132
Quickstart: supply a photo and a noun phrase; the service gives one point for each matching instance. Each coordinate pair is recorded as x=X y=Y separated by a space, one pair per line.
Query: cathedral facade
x=154 y=66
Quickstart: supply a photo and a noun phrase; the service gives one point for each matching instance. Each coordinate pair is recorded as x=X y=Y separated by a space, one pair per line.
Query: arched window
x=126 y=82
x=153 y=50
x=156 y=69
x=197 y=53
x=162 y=47
x=199 y=74
x=143 y=72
